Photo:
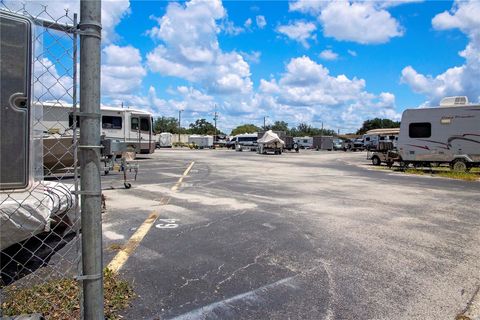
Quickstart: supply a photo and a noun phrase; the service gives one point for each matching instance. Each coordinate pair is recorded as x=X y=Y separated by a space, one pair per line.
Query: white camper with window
x=304 y=142
x=373 y=138
x=131 y=126
x=448 y=134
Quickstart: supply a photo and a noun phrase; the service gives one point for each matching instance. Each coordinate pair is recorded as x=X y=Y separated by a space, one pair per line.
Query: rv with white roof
x=448 y=134
x=372 y=138
x=131 y=126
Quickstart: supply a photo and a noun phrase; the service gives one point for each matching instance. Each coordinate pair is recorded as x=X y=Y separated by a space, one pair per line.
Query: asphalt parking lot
x=315 y=235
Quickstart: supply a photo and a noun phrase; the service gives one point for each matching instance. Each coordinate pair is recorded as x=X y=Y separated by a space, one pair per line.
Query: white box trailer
x=304 y=142
x=165 y=140
x=201 y=141
x=448 y=134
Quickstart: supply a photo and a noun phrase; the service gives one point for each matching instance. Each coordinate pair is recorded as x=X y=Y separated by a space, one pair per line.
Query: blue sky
x=339 y=62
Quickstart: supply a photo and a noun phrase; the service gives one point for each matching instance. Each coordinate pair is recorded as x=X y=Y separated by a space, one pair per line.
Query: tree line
x=202 y=126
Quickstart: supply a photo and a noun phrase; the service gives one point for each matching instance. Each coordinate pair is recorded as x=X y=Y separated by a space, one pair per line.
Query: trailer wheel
x=376 y=161
x=459 y=165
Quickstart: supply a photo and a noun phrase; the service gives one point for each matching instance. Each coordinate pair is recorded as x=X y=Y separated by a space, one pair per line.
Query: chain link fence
x=40 y=226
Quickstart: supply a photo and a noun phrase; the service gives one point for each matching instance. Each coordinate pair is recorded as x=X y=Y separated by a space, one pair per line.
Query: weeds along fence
x=40 y=240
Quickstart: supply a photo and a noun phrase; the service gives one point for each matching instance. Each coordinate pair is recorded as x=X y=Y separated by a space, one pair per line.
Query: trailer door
x=15 y=75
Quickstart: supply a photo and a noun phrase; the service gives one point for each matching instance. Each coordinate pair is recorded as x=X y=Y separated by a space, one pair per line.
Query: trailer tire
x=376 y=161
x=459 y=165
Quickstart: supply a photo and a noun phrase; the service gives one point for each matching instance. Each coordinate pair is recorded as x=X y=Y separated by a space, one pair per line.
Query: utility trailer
x=290 y=143
x=323 y=143
x=200 y=142
x=445 y=135
x=270 y=142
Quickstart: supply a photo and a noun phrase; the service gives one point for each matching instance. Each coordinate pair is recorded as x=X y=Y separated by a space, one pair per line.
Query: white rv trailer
x=372 y=138
x=245 y=141
x=164 y=140
x=304 y=142
x=131 y=126
x=448 y=134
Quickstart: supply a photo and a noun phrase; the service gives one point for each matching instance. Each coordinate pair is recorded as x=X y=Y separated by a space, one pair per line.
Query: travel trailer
x=164 y=140
x=245 y=141
x=448 y=134
x=304 y=142
x=372 y=138
x=131 y=126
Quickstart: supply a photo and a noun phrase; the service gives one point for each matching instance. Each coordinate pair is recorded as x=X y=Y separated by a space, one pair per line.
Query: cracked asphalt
x=315 y=235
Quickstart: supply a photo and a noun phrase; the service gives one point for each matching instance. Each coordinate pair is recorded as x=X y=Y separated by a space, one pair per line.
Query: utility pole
x=215 y=119
x=322 y=128
x=179 y=123
x=265 y=123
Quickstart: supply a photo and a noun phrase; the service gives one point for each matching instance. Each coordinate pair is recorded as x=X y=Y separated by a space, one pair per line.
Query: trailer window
x=144 y=124
x=110 y=122
x=134 y=124
x=420 y=130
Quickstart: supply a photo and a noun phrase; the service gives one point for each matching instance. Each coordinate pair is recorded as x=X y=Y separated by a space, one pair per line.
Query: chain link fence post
x=89 y=149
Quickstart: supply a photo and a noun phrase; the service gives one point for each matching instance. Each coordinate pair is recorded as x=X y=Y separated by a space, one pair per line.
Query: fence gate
x=39 y=205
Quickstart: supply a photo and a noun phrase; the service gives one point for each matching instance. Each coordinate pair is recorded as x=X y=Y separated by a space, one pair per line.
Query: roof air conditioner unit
x=454 y=101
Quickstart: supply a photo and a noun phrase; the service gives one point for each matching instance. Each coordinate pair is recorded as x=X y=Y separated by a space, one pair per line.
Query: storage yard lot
x=315 y=235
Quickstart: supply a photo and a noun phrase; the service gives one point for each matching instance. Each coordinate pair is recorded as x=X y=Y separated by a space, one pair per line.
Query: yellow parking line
x=122 y=256
x=179 y=182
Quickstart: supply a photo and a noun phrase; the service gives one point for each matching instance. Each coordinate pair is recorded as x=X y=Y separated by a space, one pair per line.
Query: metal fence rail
x=43 y=257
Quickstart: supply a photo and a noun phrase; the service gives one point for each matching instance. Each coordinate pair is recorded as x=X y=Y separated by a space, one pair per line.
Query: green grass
x=59 y=299
x=473 y=175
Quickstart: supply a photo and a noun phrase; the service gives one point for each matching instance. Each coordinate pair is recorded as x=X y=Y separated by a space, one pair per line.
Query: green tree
x=377 y=123
x=245 y=128
x=202 y=126
x=278 y=126
x=166 y=124
x=304 y=129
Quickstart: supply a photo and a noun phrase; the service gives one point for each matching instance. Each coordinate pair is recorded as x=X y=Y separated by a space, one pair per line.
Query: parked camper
x=127 y=125
x=372 y=138
x=245 y=141
x=164 y=140
x=448 y=134
x=323 y=143
x=201 y=142
x=304 y=142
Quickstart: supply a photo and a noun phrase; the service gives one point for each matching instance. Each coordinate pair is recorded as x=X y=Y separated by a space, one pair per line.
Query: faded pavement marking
x=122 y=256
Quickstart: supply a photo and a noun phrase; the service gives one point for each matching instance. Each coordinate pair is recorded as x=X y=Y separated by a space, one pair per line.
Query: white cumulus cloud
x=299 y=31
x=190 y=49
x=306 y=91
x=328 y=54
x=457 y=80
x=365 y=22
x=122 y=70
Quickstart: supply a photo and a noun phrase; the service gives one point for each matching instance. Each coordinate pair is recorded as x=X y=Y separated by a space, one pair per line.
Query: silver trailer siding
x=441 y=135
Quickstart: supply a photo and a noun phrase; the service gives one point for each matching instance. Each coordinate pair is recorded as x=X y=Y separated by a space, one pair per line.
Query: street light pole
x=215 y=119
x=179 y=123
